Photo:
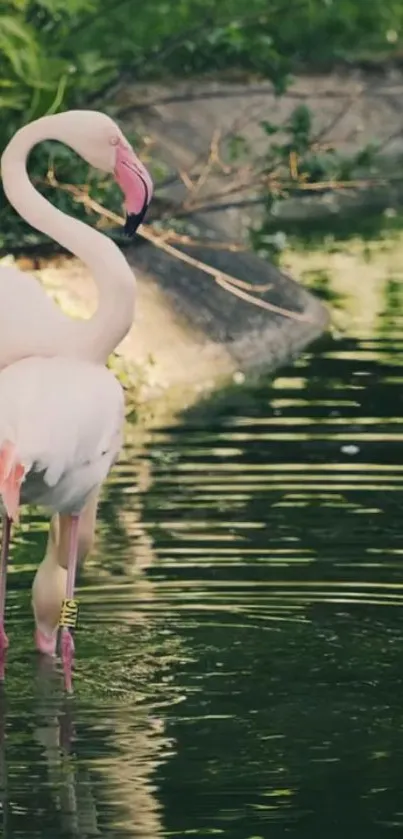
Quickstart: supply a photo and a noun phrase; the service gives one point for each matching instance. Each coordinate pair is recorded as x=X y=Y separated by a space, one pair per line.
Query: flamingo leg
x=3 y=587
x=68 y=616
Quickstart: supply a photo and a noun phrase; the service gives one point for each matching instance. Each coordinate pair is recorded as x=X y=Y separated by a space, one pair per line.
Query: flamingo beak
x=136 y=185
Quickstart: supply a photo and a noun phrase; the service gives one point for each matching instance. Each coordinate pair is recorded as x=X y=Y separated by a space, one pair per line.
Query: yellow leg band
x=69 y=614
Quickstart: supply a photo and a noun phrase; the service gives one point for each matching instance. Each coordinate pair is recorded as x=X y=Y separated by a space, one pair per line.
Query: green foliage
x=54 y=50
x=297 y=163
x=62 y=53
x=202 y=35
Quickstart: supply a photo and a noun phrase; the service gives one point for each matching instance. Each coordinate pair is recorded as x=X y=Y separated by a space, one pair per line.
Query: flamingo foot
x=67 y=655
x=45 y=644
x=4 y=643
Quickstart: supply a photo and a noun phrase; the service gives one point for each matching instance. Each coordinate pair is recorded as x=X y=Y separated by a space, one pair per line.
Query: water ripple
x=239 y=656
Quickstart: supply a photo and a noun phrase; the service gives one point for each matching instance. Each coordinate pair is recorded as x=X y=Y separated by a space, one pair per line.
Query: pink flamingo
x=61 y=409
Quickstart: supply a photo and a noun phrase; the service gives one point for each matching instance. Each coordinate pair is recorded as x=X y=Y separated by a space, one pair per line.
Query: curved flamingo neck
x=93 y=339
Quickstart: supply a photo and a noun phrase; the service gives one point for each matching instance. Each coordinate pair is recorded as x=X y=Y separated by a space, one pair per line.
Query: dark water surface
x=240 y=658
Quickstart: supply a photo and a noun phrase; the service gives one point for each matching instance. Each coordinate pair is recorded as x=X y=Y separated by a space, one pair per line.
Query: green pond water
x=240 y=657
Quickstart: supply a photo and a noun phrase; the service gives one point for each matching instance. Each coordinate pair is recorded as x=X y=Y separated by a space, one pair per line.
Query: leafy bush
x=38 y=76
x=61 y=53
x=298 y=163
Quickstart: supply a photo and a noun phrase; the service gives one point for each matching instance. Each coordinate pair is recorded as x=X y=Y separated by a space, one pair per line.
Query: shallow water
x=239 y=667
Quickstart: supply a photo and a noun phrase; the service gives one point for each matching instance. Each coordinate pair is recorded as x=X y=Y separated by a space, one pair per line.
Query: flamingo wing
x=61 y=423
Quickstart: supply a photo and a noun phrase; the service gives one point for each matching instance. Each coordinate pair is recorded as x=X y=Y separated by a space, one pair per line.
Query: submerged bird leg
x=3 y=585
x=49 y=587
x=68 y=617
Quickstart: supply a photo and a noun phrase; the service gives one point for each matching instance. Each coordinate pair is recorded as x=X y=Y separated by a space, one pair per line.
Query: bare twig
x=294 y=166
x=183 y=239
x=227 y=281
x=322 y=186
x=334 y=121
x=211 y=160
x=246 y=183
x=186 y=179
x=221 y=279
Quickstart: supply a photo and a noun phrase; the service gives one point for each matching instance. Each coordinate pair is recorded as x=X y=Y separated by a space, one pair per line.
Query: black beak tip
x=133 y=221
x=131 y=224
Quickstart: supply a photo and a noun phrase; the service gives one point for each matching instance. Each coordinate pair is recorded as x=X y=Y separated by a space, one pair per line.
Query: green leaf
x=71 y=6
x=16 y=29
x=269 y=127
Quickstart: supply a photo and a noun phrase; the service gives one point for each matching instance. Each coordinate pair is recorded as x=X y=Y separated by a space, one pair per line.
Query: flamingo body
x=61 y=409
x=64 y=418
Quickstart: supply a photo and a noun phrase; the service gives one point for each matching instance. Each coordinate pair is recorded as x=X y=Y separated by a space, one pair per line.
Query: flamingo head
x=97 y=138
x=135 y=182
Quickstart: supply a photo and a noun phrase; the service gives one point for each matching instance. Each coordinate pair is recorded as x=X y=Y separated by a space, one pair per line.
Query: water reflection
x=69 y=782
x=84 y=766
x=239 y=664
x=69 y=770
